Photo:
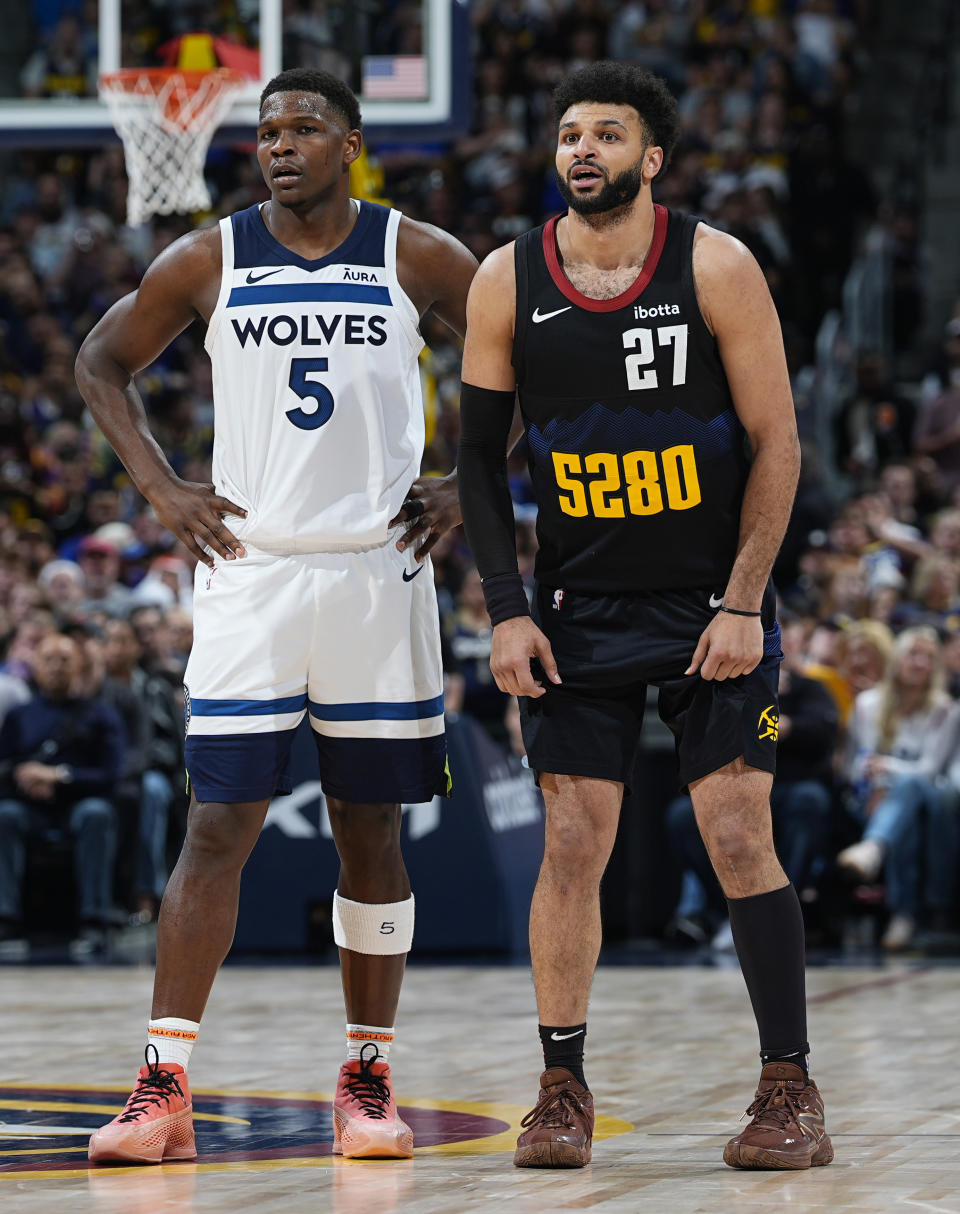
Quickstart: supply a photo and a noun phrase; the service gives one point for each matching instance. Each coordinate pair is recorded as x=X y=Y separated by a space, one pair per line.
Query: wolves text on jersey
x=355 y=329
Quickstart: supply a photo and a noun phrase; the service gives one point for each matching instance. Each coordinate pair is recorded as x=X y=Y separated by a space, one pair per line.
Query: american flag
x=393 y=77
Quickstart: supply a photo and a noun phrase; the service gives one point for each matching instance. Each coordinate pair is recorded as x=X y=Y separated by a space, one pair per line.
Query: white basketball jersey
x=318 y=410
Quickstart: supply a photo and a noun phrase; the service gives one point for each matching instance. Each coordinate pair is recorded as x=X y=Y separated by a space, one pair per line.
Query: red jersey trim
x=552 y=254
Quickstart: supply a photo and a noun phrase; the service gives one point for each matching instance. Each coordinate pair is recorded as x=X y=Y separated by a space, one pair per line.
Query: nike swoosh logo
x=539 y=317
x=716 y=602
x=408 y=577
x=564 y=1036
x=260 y=277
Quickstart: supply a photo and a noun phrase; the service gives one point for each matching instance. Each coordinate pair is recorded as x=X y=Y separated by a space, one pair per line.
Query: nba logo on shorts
x=558 y=599
x=213 y=570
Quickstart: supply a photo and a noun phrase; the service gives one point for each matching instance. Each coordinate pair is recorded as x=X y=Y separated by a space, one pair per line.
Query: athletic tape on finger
x=377 y=928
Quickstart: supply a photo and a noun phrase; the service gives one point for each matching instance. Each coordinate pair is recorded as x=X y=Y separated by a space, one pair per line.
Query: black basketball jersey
x=637 y=455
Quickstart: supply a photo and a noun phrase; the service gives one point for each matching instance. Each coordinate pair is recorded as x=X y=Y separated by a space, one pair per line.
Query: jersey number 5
x=309 y=389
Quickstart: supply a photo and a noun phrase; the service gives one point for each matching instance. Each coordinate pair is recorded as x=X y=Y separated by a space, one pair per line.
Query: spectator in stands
x=945 y=533
x=846 y=590
x=934 y=592
x=875 y=425
x=63 y=66
x=13 y=690
x=60 y=755
x=937 y=432
x=951 y=660
x=865 y=654
x=168 y=582
x=28 y=634
x=63 y=583
x=847 y=659
x=100 y=564
x=899 y=745
x=154 y=760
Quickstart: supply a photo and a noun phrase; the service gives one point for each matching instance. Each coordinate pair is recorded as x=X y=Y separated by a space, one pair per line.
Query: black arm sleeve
x=485 y=418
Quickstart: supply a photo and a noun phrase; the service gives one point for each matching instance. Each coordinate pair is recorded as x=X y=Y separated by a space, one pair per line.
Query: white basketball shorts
x=353 y=638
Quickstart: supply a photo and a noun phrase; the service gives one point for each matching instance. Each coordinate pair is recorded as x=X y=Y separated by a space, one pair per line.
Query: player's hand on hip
x=431 y=508
x=729 y=646
x=194 y=513
x=516 y=643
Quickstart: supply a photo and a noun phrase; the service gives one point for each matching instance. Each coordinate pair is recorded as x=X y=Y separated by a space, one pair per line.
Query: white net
x=166 y=120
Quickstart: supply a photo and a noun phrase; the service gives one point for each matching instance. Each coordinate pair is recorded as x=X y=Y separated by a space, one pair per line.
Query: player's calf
x=366 y=1121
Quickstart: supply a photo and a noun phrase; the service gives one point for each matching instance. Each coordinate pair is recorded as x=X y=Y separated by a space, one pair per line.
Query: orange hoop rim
x=128 y=79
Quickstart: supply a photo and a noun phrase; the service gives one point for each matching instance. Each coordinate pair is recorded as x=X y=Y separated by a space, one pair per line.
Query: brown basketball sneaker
x=557 y=1133
x=786 y=1130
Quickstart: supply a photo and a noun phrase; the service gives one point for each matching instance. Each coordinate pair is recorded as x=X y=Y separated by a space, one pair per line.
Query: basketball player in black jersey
x=647 y=356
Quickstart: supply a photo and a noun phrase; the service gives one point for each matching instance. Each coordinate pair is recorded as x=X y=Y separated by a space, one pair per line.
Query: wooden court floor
x=671 y=1059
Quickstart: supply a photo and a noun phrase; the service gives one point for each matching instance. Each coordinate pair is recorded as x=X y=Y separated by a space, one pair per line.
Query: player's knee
x=219 y=834
x=365 y=834
x=574 y=854
x=734 y=844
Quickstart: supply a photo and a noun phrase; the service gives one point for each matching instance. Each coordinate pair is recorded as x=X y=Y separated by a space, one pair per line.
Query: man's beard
x=612 y=195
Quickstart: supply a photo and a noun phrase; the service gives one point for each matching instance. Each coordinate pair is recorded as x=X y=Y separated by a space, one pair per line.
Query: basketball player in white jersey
x=309 y=597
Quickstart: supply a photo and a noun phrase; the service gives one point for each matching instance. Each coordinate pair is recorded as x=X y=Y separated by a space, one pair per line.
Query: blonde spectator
x=848 y=659
x=934 y=591
x=867 y=650
x=945 y=533
x=899 y=748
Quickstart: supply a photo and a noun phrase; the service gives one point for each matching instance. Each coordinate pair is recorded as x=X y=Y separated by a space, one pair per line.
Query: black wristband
x=505 y=597
x=737 y=611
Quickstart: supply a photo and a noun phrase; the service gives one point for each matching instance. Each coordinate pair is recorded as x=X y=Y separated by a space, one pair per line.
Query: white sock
x=173 y=1039
x=359 y=1035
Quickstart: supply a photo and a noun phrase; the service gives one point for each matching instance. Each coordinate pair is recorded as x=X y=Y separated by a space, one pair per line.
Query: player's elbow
x=84 y=368
x=82 y=371
x=94 y=364
x=779 y=444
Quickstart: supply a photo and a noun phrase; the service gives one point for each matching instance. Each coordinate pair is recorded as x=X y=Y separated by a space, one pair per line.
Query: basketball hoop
x=166 y=118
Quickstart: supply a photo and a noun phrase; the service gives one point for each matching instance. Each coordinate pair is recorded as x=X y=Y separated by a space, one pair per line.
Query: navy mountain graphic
x=599 y=428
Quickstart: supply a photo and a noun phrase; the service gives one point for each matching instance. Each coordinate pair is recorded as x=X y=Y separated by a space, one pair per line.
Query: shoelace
x=369 y=1090
x=156 y=1088
x=778 y=1107
x=554 y=1109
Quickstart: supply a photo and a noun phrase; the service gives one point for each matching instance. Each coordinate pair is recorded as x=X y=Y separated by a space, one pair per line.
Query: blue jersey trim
x=771 y=642
x=600 y=428
x=383 y=770
x=239 y=767
x=384 y=710
x=246 y=708
x=320 y=292
x=254 y=244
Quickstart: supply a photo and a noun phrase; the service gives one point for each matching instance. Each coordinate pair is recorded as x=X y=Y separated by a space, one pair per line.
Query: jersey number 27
x=675 y=335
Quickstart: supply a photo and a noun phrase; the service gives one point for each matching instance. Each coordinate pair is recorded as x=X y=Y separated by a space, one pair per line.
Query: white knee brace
x=379 y=928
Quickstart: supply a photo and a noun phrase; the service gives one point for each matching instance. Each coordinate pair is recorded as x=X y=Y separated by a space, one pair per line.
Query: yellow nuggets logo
x=768 y=725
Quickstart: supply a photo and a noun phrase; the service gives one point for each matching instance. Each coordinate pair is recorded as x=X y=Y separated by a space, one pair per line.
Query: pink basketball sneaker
x=156 y=1124
x=366 y=1124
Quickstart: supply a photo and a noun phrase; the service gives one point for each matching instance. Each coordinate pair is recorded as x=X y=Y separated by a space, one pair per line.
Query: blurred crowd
x=869 y=575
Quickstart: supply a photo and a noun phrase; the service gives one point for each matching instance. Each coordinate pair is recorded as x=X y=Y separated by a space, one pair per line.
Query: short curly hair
x=332 y=89
x=623 y=84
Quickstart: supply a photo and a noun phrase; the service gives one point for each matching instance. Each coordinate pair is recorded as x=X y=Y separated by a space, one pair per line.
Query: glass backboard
x=405 y=59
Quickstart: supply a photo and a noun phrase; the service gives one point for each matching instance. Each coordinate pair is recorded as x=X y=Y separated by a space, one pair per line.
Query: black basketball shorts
x=607 y=649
